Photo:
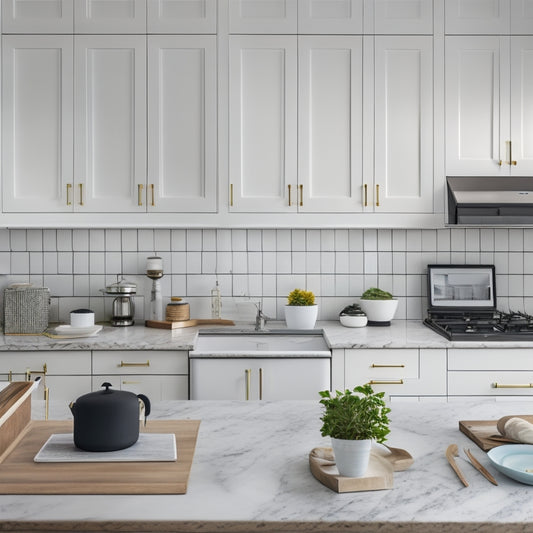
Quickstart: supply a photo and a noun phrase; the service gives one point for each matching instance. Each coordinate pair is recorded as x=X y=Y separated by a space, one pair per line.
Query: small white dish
x=353 y=321
x=67 y=329
x=514 y=460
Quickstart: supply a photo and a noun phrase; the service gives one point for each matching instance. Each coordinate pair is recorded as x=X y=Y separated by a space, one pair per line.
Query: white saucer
x=88 y=331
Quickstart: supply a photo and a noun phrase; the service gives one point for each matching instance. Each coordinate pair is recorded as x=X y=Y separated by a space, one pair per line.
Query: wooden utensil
x=478 y=466
x=451 y=452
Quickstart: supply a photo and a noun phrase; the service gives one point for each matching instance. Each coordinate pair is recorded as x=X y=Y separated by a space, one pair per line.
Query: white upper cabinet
x=403 y=17
x=489 y=105
x=492 y=17
x=37 y=163
x=330 y=123
x=37 y=16
x=110 y=122
x=110 y=16
x=182 y=16
x=327 y=17
x=403 y=110
x=182 y=121
x=263 y=16
x=262 y=123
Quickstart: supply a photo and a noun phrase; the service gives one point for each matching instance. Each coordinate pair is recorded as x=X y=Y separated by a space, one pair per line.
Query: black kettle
x=107 y=420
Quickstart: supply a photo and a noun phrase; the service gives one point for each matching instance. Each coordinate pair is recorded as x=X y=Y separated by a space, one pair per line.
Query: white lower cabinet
x=405 y=372
x=259 y=379
x=490 y=372
x=159 y=375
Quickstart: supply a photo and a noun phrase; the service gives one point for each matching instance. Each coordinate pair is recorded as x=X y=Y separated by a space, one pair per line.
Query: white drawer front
x=157 y=388
x=490 y=383
x=140 y=362
x=490 y=359
x=57 y=363
x=382 y=364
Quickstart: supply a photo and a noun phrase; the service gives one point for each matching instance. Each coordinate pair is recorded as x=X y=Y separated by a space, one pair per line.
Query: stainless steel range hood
x=490 y=200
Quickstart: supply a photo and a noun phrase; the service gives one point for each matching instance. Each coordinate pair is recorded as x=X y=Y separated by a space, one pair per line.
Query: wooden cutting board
x=19 y=474
x=15 y=411
x=167 y=324
x=481 y=431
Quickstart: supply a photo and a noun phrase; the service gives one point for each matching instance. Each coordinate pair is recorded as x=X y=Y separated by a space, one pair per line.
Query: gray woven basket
x=26 y=310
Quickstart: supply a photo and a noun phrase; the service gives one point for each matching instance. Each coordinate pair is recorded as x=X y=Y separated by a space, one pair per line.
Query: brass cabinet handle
x=140 y=188
x=42 y=372
x=131 y=383
x=69 y=188
x=123 y=364
x=512 y=386
x=365 y=186
x=46 y=402
x=260 y=383
x=374 y=365
x=10 y=376
x=377 y=195
x=81 y=193
x=153 y=194
x=509 y=145
x=386 y=382
x=301 y=195
x=289 y=187
x=248 y=375
x=231 y=195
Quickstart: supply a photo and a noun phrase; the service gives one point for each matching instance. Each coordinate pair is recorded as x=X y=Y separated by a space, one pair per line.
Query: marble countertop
x=400 y=334
x=251 y=473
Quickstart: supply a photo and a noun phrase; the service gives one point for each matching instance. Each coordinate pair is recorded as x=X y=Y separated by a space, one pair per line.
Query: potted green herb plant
x=353 y=419
x=379 y=306
x=301 y=311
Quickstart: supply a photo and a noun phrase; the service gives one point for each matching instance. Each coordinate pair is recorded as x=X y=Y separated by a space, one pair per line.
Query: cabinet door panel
x=157 y=388
x=182 y=16
x=477 y=16
x=403 y=16
x=327 y=17
x=37 y=16
x=403 y=166
x=37 y=123
x=475 y=119
x=522 y=17
x=110 y=122
x=263 y=16
x=182 y=140
x=522 y=105
x=330 y=123
x=262 y=122
x=110 y=16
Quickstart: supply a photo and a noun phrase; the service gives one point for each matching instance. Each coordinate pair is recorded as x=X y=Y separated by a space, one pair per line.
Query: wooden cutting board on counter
x=167 y=324
x=482 y=431
x=19 y=474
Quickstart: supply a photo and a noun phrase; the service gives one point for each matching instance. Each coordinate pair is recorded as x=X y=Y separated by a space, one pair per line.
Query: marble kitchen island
x=251 y=473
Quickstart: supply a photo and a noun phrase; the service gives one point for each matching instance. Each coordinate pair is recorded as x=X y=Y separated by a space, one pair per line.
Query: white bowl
x=379 y=310
x=353 y=321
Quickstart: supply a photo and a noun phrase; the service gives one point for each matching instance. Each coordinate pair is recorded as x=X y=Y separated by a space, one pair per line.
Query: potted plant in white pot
x=379 y=306
x=353 y=419
x=301 y=311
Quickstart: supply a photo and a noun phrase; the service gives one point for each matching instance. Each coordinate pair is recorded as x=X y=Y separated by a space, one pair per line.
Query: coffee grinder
x=154 y=270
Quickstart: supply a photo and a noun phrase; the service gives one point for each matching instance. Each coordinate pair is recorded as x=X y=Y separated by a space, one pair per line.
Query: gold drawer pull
x=122 y=364
x=377 y=195
x=248 y=375
x=512 y=386
x=374 y=365
x=290 y=202
x=386 y=382
x=301 y=195
x=81 y=193
x=140 y=188
x=69 y=188
x=366 y=195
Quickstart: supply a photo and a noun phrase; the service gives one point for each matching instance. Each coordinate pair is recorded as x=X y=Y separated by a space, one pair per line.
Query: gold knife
x=478 y=466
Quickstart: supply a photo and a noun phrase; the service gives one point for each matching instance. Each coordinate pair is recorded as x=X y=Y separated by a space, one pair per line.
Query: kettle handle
x=147 y=406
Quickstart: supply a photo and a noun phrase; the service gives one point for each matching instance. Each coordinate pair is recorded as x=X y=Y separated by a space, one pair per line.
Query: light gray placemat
x=60 y=448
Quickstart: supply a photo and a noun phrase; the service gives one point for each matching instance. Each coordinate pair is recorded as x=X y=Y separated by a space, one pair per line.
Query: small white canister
x=82 y=318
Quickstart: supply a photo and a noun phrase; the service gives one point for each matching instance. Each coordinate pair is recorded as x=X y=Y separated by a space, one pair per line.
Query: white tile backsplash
x=336 y=264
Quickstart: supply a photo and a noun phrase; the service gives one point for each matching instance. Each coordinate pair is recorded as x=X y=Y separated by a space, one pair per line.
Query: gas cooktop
x=462 y=306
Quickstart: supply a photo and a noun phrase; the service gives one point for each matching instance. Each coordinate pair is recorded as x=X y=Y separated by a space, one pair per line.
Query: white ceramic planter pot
x=381 y=311
x=301 y=316
x=351 y=456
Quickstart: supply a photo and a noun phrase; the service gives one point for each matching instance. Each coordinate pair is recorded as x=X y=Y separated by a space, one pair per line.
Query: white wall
x=337 y=264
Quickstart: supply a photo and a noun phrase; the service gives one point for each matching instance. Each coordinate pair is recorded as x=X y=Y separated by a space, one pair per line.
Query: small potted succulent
x=301 y=311
x=352 y=316
x=379 y=306
x=353 y=419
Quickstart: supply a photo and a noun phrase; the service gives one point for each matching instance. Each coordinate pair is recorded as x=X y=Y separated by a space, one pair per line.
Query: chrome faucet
x=260 y=318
